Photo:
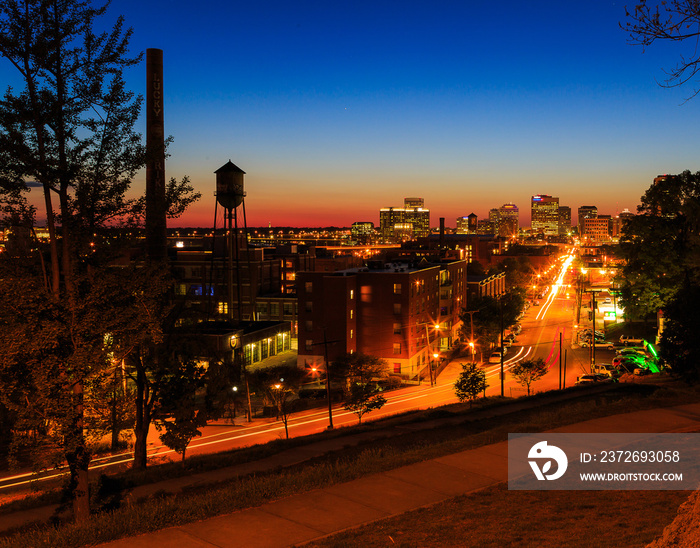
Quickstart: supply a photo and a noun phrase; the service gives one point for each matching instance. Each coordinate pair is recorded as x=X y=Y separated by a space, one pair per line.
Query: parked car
x=607 y=369
x=627 y=364
x=595 y=377
x=507 y=343
x=588 y=331
x=630 y=352
x=495 y=357
x=641 y=371
x=599 y=344
x=629 y=339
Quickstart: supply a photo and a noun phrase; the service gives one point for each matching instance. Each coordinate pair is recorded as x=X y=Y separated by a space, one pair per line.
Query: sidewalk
x=312 y=515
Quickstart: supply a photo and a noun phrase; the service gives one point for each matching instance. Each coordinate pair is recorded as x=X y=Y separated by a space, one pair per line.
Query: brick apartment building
x=401 y=312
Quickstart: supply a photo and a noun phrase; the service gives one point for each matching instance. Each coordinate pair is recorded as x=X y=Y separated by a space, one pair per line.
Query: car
x=595 y=377
x=507 y=343
x=517 y=328
x=495 y=357
x=535 y=303
x=627 y=365
x=627 y=351
x=509 y=337
x=587 y=335
x=632 y=359
x=629 y=339
x=606 y=369
x=588 y=331
x=586 y=379
x=587 y=339
x=640 y=371
x=599 y=344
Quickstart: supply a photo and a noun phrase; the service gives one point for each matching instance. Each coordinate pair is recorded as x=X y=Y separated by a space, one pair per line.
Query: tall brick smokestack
x=156 y=227
x=442 y=233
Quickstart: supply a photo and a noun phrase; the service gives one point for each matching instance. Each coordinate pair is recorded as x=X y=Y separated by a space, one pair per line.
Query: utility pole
x=560 y=372
x=430 y=355
x=564 y=384
x=471 y=321
x=500 y=301
x=593 y=307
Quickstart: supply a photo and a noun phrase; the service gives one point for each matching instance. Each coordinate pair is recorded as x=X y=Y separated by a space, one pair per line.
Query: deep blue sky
x=335 y=109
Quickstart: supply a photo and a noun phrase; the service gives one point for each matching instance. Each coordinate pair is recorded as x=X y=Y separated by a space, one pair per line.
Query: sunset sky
x=335 y=109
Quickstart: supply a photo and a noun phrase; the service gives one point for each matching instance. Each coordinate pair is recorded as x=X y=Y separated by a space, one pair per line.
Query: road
x=545 y=329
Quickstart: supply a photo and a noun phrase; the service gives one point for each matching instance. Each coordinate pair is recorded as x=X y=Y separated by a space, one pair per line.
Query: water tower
x=230 y=195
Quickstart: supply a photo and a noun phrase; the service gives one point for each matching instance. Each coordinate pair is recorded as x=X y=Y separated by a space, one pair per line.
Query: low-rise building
x=401 y=312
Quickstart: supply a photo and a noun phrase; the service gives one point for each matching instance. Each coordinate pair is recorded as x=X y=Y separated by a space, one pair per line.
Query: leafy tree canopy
x=470 y=383
x=527 y=372
x=661 y=244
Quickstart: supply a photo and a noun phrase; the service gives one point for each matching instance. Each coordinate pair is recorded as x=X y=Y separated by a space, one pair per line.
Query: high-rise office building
x=362 y=231
x=564 y=220
x=596 y=229
x=545 y=215
x=462 y=225
x=585 y=212
x=412 y=220
x=413 y=203
x=467 y=225
x=508 y=220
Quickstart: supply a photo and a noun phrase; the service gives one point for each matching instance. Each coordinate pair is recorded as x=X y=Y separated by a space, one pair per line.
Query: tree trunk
x=115 y=422
x=142 y=421
x=78 y=459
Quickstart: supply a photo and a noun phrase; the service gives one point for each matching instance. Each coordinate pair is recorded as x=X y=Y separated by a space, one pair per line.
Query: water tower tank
x=229 y=185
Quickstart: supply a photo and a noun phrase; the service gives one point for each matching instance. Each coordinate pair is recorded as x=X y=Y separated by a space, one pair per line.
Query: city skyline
x=335 y=111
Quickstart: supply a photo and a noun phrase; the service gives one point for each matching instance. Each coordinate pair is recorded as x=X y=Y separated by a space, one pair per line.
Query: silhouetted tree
x=278 y=385
x=470 y=383
x=661 y=245
x=528 y=371
x=70 y=128
x=668 y=21
x=680 y=344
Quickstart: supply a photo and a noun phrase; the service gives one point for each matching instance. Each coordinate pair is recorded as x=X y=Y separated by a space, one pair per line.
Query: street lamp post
x=500 y=301
x=328 y=381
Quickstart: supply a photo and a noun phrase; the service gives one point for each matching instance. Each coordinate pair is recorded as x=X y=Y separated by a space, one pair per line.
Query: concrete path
x=312 y=515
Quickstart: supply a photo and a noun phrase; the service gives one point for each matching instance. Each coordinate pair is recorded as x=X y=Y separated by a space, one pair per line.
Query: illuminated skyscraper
x=586 y=212
x=508 y=220
x=412 y=220
x=564 y=220
x=545 y=215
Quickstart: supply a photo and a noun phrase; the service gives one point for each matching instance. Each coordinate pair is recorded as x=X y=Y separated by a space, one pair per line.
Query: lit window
x=352 y=313
x=397 y=329
x=352 y=294
x=397 y=289
x=397 y=348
